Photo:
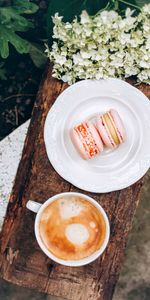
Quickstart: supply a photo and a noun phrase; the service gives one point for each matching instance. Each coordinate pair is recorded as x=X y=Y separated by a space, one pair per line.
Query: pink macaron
x=111 y=129
x=86 y=140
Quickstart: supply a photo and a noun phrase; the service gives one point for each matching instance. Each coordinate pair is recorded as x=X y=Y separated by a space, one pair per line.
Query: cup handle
x=33 y=206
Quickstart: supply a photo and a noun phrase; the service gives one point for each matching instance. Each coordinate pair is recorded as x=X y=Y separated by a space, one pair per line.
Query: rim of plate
x=109 y=187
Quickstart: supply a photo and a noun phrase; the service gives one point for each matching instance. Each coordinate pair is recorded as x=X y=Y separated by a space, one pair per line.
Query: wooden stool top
x=22 y=262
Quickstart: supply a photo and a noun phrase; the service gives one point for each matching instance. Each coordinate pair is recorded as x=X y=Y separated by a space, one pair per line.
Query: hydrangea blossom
x=102 y=46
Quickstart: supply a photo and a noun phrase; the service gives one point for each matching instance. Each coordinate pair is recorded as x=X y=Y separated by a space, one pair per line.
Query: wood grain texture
x=21 y=260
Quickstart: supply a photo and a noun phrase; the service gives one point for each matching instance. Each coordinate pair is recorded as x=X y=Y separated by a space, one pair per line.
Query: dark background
x=18 y=91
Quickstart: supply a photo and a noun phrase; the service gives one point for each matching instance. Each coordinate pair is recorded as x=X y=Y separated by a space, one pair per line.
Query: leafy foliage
x=13 y=22
x=37 y=54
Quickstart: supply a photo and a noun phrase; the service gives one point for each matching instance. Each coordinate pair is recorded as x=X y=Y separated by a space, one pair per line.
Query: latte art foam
x=72 y=228
x=77 y=234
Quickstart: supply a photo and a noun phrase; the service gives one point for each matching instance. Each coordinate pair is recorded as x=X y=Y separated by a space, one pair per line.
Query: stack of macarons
x=89 y=140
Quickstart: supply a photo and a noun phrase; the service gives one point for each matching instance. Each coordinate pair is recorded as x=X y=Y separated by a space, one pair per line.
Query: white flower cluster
x=106 y=45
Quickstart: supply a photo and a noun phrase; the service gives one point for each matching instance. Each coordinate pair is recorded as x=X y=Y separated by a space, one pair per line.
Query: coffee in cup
x=72 y=228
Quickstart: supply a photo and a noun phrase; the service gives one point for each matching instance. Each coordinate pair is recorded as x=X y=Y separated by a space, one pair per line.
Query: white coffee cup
x=39 y=208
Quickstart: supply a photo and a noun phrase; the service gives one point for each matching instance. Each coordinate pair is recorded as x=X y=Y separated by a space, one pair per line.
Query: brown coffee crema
x=72 y=228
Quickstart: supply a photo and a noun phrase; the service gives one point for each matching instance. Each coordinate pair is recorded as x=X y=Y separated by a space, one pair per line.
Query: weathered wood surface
x=21 y=261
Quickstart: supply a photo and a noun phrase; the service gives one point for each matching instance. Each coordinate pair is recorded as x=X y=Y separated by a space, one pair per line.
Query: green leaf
x=4 y=49
x=8 y=35
x=36 y=53
x=25 y=7
x=21 y=45
x=70 y=9
x=11 y=19
x=11 y=22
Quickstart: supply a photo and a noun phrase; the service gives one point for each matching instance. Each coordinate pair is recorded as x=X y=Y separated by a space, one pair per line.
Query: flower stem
x=102 y=9
x=129 y=4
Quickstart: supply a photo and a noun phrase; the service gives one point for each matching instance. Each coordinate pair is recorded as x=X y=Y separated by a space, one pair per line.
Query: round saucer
x=113 y=169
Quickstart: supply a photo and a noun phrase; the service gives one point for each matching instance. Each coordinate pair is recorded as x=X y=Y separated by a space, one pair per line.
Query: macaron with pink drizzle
x=111 y=129
x=86 y=140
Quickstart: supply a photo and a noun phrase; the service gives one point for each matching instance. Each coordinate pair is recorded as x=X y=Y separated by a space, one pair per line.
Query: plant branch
x=18 y=95
x=129 y=4
x=16 y=114
x=102 y=9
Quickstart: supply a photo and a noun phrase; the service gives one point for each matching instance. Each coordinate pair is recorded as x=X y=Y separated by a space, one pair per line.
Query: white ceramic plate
x=113 y=169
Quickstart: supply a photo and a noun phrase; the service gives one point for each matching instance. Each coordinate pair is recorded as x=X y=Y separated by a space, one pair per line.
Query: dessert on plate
x=111 y=129
x=87 y=140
